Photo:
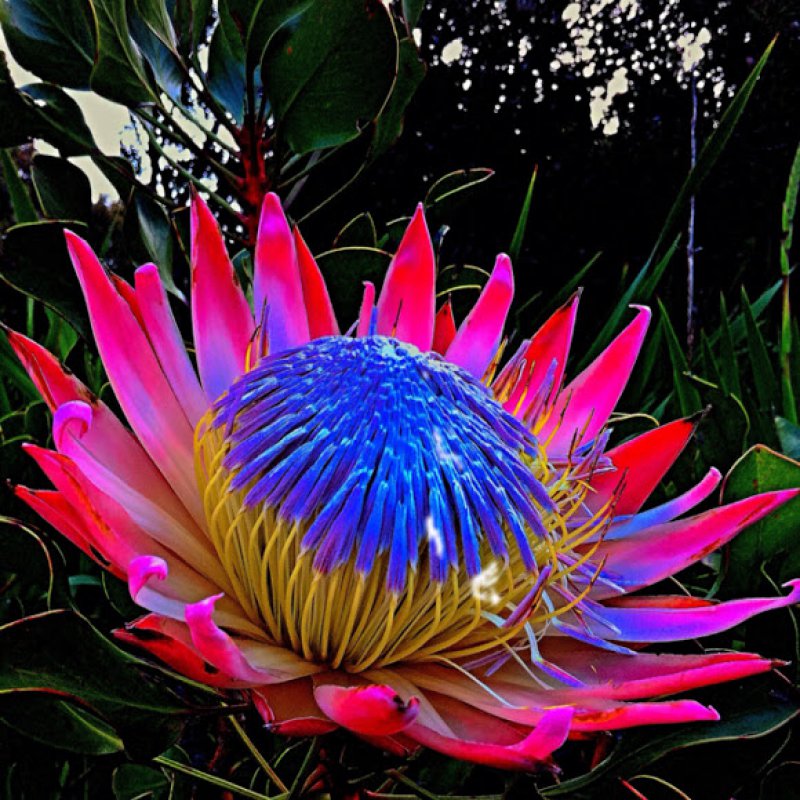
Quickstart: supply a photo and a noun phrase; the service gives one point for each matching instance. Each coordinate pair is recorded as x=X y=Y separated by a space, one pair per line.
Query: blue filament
x=375 y=446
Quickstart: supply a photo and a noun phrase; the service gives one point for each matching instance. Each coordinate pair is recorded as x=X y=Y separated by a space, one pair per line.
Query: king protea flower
x=381 y=529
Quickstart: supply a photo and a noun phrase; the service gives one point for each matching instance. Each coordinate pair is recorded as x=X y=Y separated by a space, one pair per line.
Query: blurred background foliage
x=646 y=151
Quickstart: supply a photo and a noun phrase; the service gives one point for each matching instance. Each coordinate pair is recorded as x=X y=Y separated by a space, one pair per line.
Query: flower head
x=384 y=531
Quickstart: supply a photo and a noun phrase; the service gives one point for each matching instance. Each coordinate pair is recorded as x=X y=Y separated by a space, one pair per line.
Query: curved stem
x=263 y=763
x=191 y=178
x=214 y=780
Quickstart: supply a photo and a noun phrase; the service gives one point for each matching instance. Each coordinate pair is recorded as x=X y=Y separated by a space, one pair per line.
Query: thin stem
x=205 y=131
x=189 y=177
x=330 y=197
x=214 y=779
x=312 y=164
x=180 y=136
x=297 y=783
x=263 y=763
x=690 y=246
x=418 y=790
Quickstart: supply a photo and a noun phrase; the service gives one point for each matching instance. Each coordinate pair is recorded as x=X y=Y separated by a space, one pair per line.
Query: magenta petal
x=551 y=343
x=218 y=648
x=649 y=622
x=444 y=328
x=321 y=319
x=478 y=338
x=621 y=528
x=639 y=465
x=406 y=303
x=117 y=458
x=143 y=391
x=584 y=406
x=52 y=507
x=548 y=735
x=367 y=307
x=374 y=710
x=141 y=569
x=277 y=284
x=221 y=319
x=658 y=552
x=162 y=331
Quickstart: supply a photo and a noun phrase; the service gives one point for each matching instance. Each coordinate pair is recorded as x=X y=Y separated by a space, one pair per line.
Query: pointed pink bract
x=406 y=303
x=221 y=319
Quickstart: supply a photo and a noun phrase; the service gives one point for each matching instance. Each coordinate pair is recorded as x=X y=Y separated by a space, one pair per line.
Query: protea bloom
x=383 y=530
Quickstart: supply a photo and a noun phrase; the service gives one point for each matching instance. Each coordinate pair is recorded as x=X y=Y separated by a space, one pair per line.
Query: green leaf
x=21 y=203
x=60 y=654
x=331 y=75
x=151 y=29
x=788 y=210
x=39 y=568
x=155 y=233
x=63 y=190
x=226 y=64
x=515 y=248
x=119 y=72
x=688 y=397
x=345 y=270
x=59 y=120
x=262 y=20
x=53 y=39
x=42 y=111
x=710 y=152
x=389 y=125
x=58 y=723
x=706 y=159
x=789 y=437
x=36 y=262
x=763 y=376
x=119 y=172
x=754 y=716
x=641 y=289
x=136 y=782
x=729 y=364
x=411 y=11
x=775 y=540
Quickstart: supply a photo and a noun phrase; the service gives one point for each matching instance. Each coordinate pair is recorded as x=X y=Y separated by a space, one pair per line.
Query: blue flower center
x=380 y=451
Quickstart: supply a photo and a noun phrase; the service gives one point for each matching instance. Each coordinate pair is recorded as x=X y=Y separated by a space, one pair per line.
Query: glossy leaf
x=330 y=76
x=60 y=654
x=155 y=233
x=21 y=203
x=58 y=723
x=37 y=566
x=775 y=540
x=389 y=125
x=152 y=30
x=63 y=189
x=136 y=782
x=515 y=248
x=754 y=716
x=119 y=72
x=36 y=262
x=411 y=11
x=53 y=39
x=263 y=19
x=226 y=64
